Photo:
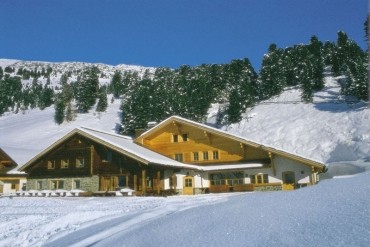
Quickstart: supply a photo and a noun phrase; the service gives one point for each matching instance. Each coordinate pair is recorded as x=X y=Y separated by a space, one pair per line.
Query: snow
x=335 y=212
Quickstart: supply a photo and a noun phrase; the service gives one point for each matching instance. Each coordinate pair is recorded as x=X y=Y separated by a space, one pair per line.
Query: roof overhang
x=226 y=167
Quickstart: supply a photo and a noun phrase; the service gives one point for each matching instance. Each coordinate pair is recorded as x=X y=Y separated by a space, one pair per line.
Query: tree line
x=189 y=91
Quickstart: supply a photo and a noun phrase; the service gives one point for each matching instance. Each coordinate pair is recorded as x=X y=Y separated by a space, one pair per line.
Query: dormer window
x=180 y=138
x=51 y=164
x=184 y=137
x=64 y=163
x=80 y=162
x=175 y=138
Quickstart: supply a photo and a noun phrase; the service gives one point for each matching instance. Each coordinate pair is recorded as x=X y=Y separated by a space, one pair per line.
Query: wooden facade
x=78 y=162
x=9 y=182
x=192 y=145
x=226 y=158
x=177 y=155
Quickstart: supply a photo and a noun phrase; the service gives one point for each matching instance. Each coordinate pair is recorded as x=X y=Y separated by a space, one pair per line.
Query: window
x=195 y=156
x=215 y=155
x=178 y=157
x=175 y=138
x=181 y=138
x=56 y=184
x=229 y=178
x=188 y=182
x=65 y=163
x=184 y=137
x=259 y=179
x=76 y=184
x=39 y=185
x=51 y=164
x=80 y=162
x=13 y=187
x=205 y=155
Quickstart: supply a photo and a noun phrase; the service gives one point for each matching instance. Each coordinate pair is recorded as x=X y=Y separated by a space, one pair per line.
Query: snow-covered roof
x=119 y=143
x=231 y=166
x=240 y=139
x=127 y=145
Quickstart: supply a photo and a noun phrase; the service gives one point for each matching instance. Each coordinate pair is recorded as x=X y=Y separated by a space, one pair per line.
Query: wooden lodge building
x=10 y=181
x=177 y=155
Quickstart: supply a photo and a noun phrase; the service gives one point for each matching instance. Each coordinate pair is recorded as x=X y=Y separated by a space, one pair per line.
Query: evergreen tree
x=242 y=80
x=116 y=86
x=87 y=89
x=235 y=107
x=59 y=110
x=272 y=75
x=64 y=79
x=102 y=100
x=350 y=60
x=46 y=97
x=317 y=63
x=69 y=115
x=136 y=107
x=9 y=69
x=1 y=73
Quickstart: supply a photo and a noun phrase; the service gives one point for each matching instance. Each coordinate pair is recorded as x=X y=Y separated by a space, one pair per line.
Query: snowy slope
x=327 y=130
x=25 y=135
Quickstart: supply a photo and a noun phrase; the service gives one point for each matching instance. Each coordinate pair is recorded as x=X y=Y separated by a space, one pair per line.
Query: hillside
x=329 y=130
x=59 y=68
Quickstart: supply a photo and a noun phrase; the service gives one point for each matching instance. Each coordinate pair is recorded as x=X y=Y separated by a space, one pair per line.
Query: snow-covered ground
x=336 y=212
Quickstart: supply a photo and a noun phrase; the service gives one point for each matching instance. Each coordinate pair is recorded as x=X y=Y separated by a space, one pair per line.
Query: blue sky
x=169 y=33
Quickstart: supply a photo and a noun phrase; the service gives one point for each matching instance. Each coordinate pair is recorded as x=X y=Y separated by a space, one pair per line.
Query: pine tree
x=69 y=113
x=87 y=89
x=59 y=110
x=234 y=109
x=102 y=100
x=272 y=75
x=317 y=63
x=116 y=86
x=1 y=73
x=64 y=79
x=46 y=97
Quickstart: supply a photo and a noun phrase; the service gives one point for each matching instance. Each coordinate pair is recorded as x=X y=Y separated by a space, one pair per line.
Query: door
x=288 y=180
x=188 y=188
x=108 y=183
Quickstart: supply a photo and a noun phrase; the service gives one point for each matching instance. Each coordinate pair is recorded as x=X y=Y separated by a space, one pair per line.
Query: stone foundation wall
x=86 y=183
x=268 y=188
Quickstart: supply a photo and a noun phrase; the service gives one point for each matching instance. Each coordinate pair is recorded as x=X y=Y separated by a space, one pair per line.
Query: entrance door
x=108 y=183
x=288 y=180
x=188 y=188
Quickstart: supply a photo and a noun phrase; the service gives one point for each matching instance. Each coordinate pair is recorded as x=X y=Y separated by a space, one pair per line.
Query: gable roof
x=243 y=140
x=12 y=167
x=6 y=156
x=118 y=143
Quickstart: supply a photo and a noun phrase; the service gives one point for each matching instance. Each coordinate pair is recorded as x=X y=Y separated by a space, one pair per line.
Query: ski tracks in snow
x=100 y=230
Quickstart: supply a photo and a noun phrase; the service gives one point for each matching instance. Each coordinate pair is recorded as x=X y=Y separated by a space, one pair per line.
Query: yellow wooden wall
x=199 y=141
